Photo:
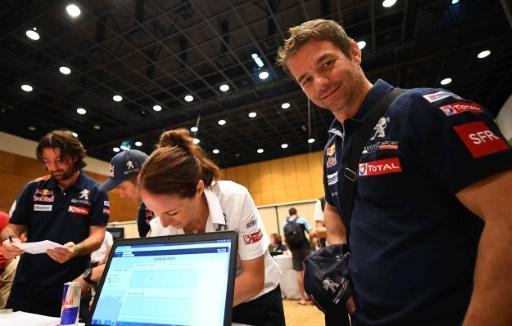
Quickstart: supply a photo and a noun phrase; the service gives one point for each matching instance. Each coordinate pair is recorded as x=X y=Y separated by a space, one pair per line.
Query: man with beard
x=66 y=207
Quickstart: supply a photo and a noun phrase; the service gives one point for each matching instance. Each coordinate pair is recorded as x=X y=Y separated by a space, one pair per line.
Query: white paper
x=24 y=318
x=39 y=247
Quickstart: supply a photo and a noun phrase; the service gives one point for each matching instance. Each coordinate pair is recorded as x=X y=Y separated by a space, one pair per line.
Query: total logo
x=385 y=166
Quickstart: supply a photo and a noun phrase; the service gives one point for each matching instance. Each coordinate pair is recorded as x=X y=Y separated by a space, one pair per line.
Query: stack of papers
x=39 y=247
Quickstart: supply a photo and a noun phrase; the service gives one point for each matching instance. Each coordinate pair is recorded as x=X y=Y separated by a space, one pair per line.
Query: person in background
x=276 y=244
x=318 y=216
x=7 y=267
x=299 y=247
x=124 y=169
x=181 y=185
x=431 y=228
x=66 y=207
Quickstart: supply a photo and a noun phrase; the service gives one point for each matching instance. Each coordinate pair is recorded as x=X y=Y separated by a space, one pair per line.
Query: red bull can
x=70 y=303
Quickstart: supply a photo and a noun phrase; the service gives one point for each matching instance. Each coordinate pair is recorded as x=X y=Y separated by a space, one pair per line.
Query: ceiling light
x=284 y=146
x=446 y=81
x=221 y=122
x=252 y=114
x=64 y=70
x=258 y=61
x=216 y=151
x=74 y=134
x=138 y=143
x=116 y=149
x=361 y=44
x=32 y=128
x=196 y=141
x=260 y=150
x=194 y=129
x=224 y=87
x=285 y=105
x=81 y=111
x=32 y=34
x=454 y=2
x=263 y=75
x=96 y=127
x=189 y=98
x=311 y=140
x=27 y=88
x=73 y=10
x=157 y=108
x=117 y=98
x=483 y=54
x=388 y=3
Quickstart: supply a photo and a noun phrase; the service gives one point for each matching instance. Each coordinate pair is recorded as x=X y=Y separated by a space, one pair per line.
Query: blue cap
x=123 y=166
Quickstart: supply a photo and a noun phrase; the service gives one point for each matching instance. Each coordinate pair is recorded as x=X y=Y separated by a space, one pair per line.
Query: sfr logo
x=479 y=140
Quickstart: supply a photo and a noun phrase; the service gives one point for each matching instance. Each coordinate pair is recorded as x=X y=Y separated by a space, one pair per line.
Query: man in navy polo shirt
x=431 y=226
x=66 y=207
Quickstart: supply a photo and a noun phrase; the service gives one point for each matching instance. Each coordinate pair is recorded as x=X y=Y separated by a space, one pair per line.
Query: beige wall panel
x=304 y=210
x=269 y=218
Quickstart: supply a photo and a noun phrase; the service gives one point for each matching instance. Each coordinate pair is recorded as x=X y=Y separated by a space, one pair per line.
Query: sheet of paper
x=25 y=318
x=39 y=247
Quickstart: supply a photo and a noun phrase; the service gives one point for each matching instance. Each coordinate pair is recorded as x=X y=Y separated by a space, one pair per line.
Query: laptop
x=169 y=280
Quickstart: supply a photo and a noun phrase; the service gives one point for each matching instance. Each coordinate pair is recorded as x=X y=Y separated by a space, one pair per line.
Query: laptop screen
x=173 y=280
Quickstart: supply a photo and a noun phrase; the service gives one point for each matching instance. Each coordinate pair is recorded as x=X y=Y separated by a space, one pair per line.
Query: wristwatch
x=87 y=276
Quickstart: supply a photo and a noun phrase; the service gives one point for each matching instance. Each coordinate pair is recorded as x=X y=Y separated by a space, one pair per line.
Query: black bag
x=294 y=234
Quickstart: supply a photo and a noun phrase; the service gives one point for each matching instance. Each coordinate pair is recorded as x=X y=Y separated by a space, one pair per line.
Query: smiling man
x=431 y=227
x=66 y=207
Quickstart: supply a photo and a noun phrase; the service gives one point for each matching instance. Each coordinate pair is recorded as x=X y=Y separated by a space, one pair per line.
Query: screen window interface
x=165 y=284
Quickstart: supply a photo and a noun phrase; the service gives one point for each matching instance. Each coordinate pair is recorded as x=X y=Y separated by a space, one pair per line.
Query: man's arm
x=88 y=245
x=14 y=231
x=333 y=225
x=491 y=299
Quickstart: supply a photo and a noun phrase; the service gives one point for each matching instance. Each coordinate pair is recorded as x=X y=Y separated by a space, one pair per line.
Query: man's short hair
x=316 y=29
x=292 y=211
x=69 y=145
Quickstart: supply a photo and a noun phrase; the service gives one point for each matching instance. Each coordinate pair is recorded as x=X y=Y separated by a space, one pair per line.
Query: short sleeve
x=22 y=207
x=100 y=208
x=252 y=238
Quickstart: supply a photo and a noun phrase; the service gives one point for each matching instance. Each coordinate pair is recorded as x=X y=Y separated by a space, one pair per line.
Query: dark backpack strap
x=359 y=140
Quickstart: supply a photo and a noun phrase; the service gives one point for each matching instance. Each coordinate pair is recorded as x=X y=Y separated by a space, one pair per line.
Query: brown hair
x=68 y=144
x=316 y=29
x=176 y=166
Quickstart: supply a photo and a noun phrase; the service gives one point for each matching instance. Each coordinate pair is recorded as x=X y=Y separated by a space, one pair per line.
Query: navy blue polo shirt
x=50 y=213
x=413 y=243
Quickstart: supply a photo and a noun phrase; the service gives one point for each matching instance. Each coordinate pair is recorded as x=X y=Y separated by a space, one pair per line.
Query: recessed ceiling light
x=221 y=122
x=252 y=114
x=31 y=128
x=194 y=129
x=285 y=105
x=483 y=54
x=64 y=70
x=81 y=111
x=284 y=146
x=138 y=143
x=224 y=87
x=189 y=98
x=73 y=10
x=32 y=34
x=311 y=140
x=258 y=60
x=454 y=2
x=196 y=141
x=263 y=75
x=216 y=151
x=74 y=134
x=260 y=150
x=27 y=88
x=96 y=127
x=117 y=98
x=388 y=3
x=157 y=108
x=361 y=44
x=116 y=149
x=446 y=81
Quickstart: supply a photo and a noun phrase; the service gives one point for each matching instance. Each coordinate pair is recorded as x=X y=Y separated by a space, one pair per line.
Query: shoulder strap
x=359 y=140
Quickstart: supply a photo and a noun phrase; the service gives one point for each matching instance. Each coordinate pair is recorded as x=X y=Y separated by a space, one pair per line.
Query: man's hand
x=9 y=250
x=351 y=305
x=85 y=287
x=62 y=255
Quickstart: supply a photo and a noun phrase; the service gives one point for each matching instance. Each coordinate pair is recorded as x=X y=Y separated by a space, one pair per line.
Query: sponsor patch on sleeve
x=253 y=237
x=385 y=166
x=251 y=223
x=460 y=107
x=437 y=96
x=479 y=139
x=332 y=179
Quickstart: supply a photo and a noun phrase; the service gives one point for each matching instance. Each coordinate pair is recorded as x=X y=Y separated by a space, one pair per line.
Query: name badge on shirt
x=42 y=208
